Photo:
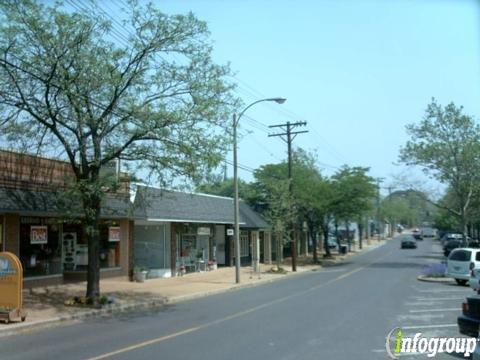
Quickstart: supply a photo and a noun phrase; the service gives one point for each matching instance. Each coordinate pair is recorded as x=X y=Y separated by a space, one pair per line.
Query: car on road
x=408 y=242
x=428 y=232
x=417 y=234
x=460 y=262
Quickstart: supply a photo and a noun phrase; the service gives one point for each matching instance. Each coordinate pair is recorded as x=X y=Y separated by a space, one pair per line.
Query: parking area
x=432 y=309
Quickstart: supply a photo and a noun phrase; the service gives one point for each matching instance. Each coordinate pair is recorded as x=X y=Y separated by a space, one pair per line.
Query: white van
x=460 y=262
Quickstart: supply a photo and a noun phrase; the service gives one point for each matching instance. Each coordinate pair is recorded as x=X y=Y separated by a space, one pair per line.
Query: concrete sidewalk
x=46 y=305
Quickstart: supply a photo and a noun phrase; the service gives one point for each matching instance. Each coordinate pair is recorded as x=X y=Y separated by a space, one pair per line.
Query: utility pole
x=290 y=135
x=392 y=224
x=379 y=180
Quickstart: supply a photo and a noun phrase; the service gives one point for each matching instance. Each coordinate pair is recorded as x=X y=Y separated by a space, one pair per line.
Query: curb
x=14 y=329
x=441 y=280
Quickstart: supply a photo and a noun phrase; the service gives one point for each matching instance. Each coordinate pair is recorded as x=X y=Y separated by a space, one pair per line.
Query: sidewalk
x=46 y=305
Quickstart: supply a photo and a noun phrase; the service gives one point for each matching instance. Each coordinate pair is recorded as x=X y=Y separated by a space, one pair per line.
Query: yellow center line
x=230 y=317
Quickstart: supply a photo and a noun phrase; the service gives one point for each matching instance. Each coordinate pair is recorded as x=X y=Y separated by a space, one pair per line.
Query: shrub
x=434 y=270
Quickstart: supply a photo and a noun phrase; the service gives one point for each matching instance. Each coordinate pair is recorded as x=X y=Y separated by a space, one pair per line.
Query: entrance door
x=220 y=242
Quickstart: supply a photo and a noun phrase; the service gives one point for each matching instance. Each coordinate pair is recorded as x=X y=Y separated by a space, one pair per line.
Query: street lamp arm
x=277 y=100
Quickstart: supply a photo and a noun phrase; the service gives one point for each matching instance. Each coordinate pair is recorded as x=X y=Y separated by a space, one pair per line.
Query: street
x=342 y=312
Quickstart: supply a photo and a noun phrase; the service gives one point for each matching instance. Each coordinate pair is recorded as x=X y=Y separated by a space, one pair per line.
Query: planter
x=141 y=276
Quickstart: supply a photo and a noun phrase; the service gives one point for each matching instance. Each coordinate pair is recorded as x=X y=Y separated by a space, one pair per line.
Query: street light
x=236 y=120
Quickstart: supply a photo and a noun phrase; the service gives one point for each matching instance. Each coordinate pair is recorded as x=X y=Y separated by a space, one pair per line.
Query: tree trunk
x=325 y=241
x=278 y=242
x=336 y=235
x=349 y=242
x=313 y=236
x=360 y=234
x=92 y=204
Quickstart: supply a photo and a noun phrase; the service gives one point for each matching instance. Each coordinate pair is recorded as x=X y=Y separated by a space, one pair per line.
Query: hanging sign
x=230 y=232
x=38 y=235
x=203 y=231
x=114 y=233
x=11 y=284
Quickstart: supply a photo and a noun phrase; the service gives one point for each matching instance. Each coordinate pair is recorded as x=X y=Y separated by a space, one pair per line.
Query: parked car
x=453 y=244
x=474 y=280
x=469 y=321
x=460 y=262
x=450 y=236
x=408 y=242
x=332 y=243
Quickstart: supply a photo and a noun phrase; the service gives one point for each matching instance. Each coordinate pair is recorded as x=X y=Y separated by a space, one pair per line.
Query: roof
x=167 y=205
x=252 y=219
x=29 y=202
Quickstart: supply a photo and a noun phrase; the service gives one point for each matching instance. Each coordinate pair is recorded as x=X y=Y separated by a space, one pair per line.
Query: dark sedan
x=408 y=242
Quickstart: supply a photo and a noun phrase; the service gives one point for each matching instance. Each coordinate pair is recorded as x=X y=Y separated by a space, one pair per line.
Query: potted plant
x=212 y=264
x=140 y=273
x=183 y=270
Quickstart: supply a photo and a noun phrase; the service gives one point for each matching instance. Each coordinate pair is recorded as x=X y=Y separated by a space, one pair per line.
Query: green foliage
x=222 y=187
x=446 y=145
x=157 y=102
x=353 y=192
x=408 y=207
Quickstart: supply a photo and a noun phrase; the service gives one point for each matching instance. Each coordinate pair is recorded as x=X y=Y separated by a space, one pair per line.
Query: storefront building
x=177 y=230
x=43 y=226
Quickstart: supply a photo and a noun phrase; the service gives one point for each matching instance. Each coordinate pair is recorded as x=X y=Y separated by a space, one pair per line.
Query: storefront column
x=173 y=250
x=131 y=251
x=255 y=252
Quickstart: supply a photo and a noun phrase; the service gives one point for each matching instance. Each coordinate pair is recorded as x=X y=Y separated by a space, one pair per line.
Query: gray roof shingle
x=166 y=205
x=152 y=203
x=30 y=202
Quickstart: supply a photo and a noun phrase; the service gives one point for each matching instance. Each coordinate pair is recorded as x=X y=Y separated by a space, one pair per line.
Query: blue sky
x=357 y=71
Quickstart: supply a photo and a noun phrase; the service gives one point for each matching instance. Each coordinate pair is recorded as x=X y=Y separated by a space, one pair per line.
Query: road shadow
x=429 y=257
x=396 y=265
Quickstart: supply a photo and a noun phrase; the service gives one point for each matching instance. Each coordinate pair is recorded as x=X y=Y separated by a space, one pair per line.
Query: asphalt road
x=344 y=312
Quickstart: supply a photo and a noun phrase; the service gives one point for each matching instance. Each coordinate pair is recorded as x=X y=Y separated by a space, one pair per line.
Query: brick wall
x=24 y=171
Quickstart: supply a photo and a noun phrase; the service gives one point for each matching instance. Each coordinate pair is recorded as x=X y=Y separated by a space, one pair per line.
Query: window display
x=40 y=248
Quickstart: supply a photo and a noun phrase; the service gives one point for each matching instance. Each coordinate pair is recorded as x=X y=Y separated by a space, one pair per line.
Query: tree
x=353 y=194
x=446 y=145
x=156 y=103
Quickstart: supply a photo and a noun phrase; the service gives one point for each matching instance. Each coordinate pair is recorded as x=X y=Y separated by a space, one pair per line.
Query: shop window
x=75 y=246
x=109 y=245
x=40 y=246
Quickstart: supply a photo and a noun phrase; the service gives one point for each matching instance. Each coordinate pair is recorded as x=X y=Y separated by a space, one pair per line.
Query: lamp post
x=236 y=120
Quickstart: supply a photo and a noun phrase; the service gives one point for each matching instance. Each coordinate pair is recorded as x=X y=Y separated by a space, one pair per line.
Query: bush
x=434 y=270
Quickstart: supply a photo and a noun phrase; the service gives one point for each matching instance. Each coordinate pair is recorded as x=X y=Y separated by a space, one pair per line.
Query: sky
x=356 y=71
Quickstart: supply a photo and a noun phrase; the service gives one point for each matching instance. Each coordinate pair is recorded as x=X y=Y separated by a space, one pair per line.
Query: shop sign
x=203 y=231
x=230 y=232
x=38 y=234
x=114 y=233
x=11 y=281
